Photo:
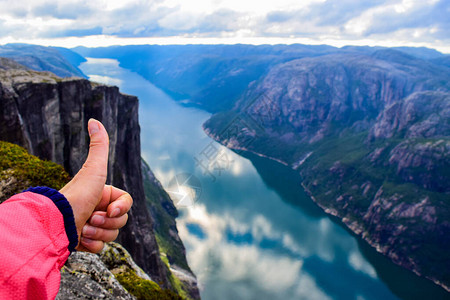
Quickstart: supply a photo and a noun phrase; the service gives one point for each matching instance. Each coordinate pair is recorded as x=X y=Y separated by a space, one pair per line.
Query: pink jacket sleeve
x=34 y=246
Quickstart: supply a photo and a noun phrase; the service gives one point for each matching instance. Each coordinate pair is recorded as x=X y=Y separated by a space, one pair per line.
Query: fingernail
x=92 y=127
x=89 y=231
x=114 y=213
x=97 y=220
x=86 y=240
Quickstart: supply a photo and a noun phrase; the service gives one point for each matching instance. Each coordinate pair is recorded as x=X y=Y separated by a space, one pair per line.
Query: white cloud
x=358 y=263
x=179 y=20
x=250 y=268
x=105 y=80
x=230 y=249
x=378 y=22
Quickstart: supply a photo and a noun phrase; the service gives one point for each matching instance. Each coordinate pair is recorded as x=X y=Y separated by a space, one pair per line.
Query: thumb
x=92 y=176
x=85 y=190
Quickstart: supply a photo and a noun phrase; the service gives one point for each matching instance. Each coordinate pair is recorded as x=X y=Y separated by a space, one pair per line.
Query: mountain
x=444 y=61
x=40 y=58
x=369 y=134
x=73 y=58
x=48 y=115
x=213 y=77
x=208 y=76
x=420 y=52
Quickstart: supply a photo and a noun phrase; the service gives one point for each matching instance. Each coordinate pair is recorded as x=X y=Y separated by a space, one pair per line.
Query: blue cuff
x=66 y=210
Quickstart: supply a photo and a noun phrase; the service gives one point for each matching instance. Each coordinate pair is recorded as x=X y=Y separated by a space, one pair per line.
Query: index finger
x=118 y=202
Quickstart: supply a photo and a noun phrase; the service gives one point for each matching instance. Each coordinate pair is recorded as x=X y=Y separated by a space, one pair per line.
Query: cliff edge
x=48 y=115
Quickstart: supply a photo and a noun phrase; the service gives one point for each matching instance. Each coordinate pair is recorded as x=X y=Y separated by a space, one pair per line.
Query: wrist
x=65 y=208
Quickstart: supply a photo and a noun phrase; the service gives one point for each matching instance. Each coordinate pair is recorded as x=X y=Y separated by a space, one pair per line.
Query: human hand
x=87 y=193
x=109 y=216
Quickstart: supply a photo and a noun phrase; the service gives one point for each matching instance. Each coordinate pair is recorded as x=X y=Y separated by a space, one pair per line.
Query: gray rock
x=423 y=163
x=85 y=276
x=118 y=260
x=420 y=115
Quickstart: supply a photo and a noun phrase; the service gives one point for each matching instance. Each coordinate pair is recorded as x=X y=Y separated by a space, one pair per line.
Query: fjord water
x=252 y=233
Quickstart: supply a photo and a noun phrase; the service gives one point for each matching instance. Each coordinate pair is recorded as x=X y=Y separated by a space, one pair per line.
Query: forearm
x=34 y=246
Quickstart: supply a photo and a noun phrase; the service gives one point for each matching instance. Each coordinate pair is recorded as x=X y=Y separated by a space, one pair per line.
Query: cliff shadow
x=286 y=182
x=402 y=282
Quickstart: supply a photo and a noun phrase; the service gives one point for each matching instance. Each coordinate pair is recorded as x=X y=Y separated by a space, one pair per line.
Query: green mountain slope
x=370 y=136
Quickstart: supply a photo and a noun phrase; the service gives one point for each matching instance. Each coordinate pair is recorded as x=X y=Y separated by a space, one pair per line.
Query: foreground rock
x=85 y=276
x=110 y=275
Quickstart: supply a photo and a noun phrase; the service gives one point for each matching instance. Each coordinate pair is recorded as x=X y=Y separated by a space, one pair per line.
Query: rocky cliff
x=370 y=136
x=170 y=245
x=48 y=116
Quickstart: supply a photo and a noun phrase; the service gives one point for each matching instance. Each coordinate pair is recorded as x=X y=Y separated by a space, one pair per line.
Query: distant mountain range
x=60 y=61
x=368 y=129
x=213 y=77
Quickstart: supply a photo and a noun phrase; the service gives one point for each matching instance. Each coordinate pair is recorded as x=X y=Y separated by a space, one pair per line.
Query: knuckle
x=99 y=142
x=99 y=247
x=130 y=199
x=113 y=235
x=123 y=221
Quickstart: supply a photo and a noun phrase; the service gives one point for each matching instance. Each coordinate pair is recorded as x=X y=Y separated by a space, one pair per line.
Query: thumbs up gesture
x=100 y=210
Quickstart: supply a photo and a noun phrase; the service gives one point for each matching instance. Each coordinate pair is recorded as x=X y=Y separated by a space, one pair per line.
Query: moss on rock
x=19 y=169
x=130 y=276
x=144 y=289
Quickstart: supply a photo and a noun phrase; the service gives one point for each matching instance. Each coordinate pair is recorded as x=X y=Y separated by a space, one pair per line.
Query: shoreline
x=356 y=227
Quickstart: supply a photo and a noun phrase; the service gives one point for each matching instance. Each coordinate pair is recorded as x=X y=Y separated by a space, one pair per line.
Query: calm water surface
x=252 y=233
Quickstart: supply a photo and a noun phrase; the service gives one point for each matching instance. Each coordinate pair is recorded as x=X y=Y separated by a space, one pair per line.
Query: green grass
x=177 y=285
x=144 y=289
x=29 y=169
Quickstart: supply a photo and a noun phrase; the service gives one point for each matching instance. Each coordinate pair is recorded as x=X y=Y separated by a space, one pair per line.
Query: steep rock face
x=311 y=97
x=370 y=136
x=422 y=124
x=171 y=247
x=423 y=114
x=423 y=163
x=49 y=118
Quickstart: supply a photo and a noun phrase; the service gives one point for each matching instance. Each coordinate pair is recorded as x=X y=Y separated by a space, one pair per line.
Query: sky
x=70 y=23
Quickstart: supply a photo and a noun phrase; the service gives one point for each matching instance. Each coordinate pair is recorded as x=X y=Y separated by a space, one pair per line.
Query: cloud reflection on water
x=247 y=265
x=234 y=253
